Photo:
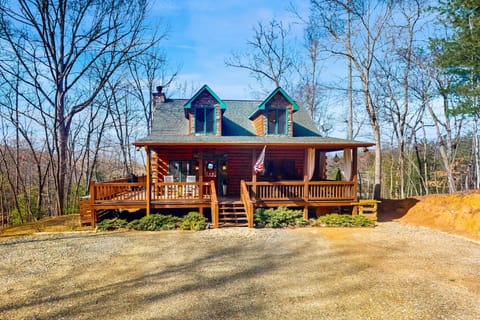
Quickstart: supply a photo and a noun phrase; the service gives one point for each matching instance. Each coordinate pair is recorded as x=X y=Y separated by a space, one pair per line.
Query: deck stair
x=232 y=214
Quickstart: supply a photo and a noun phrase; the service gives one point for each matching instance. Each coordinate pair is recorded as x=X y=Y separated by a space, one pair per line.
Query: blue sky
x=203 y=34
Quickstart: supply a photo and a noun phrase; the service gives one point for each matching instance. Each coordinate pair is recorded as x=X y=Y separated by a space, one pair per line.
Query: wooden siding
x=159 y=167
x=259 y=125
x=240 y=167
x=278 y=101
x=155 y=167
x=204 y=99
x=239 y=162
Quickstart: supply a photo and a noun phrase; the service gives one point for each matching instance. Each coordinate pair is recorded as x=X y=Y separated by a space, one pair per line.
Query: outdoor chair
x=170 y=190
x=191 y=190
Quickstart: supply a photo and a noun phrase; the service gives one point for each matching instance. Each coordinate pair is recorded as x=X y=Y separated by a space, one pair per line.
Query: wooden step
x=232 y=225
x=232 y=214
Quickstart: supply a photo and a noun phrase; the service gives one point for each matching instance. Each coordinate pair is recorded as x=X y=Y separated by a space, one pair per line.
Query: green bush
x=301 y=222
x=278 y=217
x=156 y=222
x=111 y=224
x=193 y=221
x=344 y=220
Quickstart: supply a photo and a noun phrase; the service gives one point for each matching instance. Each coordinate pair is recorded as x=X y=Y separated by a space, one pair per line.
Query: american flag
x=259 y=165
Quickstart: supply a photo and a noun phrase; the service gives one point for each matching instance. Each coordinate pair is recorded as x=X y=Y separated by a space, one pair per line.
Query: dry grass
x=65 y=223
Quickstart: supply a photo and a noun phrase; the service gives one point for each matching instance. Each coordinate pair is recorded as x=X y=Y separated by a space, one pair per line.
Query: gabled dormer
x=204 y=112
x=274 y=116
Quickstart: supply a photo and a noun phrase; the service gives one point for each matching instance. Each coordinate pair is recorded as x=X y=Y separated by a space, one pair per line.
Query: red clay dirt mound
x=457 y=213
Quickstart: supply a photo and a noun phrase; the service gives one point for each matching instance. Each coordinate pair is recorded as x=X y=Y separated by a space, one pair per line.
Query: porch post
x=148 y=191
x=306 y=169
x=355 y=171
x=354 y=179
x=254 y=175
x=200 y=177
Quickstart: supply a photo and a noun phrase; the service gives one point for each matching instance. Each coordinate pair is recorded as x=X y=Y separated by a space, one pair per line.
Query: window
x=180 y=169
x=277 y=121
x=205 y=120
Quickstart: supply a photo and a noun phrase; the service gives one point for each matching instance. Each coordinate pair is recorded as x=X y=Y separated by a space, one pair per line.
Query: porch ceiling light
x=336 y=158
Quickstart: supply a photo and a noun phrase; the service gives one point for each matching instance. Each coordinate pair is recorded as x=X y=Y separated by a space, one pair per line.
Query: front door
x=210 y=171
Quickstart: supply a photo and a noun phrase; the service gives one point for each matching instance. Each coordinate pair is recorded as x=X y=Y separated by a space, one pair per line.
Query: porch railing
x=161 y=191
x=300 y=190
x=247 y=202
x=249 y=191
x=181 y=191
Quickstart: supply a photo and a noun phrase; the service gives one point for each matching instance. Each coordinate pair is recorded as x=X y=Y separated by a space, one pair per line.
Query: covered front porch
x=293 y=177
x=134 y=196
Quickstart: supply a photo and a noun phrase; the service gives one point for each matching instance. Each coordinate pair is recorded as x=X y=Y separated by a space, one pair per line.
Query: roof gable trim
x=262 y=106
x=222 y=104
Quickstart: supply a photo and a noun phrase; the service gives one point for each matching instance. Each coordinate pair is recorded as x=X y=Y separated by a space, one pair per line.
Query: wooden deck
x=201 y=195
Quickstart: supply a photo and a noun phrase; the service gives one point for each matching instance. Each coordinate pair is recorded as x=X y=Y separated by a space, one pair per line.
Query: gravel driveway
x=393 y=271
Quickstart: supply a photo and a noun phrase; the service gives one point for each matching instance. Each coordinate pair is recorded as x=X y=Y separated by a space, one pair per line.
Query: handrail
x=247 y=202
x=117 y=191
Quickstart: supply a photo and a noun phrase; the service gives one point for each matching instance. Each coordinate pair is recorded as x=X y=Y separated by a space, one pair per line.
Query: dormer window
x=277 y=121
x=204 y=112
x=205 y=119
x=274 y=116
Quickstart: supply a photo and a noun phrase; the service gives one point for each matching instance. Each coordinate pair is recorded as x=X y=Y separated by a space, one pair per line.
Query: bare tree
x=22 y=154
x=67 y=51
x=147 y=72
x=430 y=83
x=394 y=76
x=271 y=57
x=360 y=46
x=124 y=118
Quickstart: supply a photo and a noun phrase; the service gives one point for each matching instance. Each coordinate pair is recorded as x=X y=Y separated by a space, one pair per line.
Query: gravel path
x=393 y=271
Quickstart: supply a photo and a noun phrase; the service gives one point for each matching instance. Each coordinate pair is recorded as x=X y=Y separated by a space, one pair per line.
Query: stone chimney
x=159 y=96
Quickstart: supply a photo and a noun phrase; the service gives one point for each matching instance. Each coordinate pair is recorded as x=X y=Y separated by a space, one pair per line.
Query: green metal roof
x=188 y=105
x=262 y=106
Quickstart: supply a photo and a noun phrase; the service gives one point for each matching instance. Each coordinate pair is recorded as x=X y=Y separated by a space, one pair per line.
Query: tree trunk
x=377 y=190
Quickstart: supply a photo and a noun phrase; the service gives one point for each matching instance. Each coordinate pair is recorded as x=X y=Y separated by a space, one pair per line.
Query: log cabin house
x=224 y=158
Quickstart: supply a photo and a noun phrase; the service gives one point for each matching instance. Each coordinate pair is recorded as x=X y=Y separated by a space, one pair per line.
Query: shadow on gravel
x=240 y=279
x=14 y=240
